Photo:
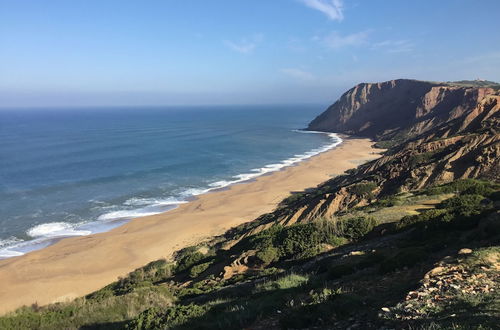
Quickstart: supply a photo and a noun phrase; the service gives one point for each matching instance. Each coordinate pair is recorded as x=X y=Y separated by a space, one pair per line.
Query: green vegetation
x=423 y=158
x=466 y=186
x=364 y=189
x=362 y=267
x=198 y=269
x=285 y=282
x=356 y=228
x=475 y=83
x=188 y=259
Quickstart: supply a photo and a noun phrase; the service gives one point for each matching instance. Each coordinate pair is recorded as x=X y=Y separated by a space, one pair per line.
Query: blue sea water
x=70 y=172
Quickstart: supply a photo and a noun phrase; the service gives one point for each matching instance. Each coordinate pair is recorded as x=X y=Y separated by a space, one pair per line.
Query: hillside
x=408 y=241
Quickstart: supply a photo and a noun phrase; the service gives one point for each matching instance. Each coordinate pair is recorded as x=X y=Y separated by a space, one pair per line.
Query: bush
x=355 y=228
x=198 y=269
x=268 y=255
x=465 y=187
x=464 y=205
x=364 y=189
x=169 y=318
x=424 y=218
x=189 y=260
x=387 y=201
x=297 y=241
x=293 y=198
x=419 y=159
x=155 y=271
x=282 y=283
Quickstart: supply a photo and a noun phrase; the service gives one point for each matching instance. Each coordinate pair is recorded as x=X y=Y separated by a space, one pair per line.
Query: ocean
x=72 y=172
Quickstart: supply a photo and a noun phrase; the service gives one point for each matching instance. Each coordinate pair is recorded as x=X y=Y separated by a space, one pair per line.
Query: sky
x=192 y=52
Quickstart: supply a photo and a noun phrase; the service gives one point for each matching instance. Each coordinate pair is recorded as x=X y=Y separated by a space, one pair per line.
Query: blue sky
x=107 y=52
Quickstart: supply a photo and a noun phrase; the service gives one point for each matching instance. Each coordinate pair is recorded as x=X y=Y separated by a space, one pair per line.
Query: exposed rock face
x=388 y=109
x=436 y=133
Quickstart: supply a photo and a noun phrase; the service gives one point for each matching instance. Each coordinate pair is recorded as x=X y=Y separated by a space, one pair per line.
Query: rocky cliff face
x=398 y=108
x=434 y=134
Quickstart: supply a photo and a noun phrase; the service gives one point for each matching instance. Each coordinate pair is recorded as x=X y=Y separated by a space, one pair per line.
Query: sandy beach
x=79 y=265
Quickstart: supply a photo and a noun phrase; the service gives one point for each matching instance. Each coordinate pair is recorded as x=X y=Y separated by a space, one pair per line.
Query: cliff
x=435 y=133
x=398 y=108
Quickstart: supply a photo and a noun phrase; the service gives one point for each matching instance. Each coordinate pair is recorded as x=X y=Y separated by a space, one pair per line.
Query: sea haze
x=71 y=172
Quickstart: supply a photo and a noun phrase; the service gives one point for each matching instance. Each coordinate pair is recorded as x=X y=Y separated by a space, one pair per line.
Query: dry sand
x=77 y=266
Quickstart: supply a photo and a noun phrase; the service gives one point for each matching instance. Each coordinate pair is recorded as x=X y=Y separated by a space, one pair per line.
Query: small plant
x=355 y=228
x=285 y=282
x=268 y=255
x=198 y=269
x=364 y=189
x=189 y=260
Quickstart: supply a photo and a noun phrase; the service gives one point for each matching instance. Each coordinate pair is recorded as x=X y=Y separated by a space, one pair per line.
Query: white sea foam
x=7 y=253
x=9 y=241
x=125 y=214
x=136 y=201
x=42 y=235
x=55 y=229
x=256 y=172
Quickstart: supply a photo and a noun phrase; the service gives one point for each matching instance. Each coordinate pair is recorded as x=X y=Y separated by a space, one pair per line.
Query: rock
x=436 y=271
x=427 y=118
x=465 y=251
x=386 y=309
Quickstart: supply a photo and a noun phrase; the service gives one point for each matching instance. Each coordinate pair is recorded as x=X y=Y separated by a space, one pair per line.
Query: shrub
x=268 y=255
x=422 y=158
x=293 y=198
x=424 y=218
x=189 y=260
x=285 y=282
x=169 y=318
x=297 y=241
x=364 y=189
x=464 y=205
x=198 y=269
x=355 y=228
x=466 y=187
x=387 y=201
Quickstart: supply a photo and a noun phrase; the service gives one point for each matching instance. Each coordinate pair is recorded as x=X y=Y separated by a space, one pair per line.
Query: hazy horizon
x=166 y=53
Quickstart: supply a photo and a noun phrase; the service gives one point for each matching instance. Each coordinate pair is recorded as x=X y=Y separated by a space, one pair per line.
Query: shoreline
x=52 y=232
x=75 y=266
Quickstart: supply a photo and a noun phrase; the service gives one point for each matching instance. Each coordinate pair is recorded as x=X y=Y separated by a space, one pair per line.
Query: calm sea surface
x=70 y=172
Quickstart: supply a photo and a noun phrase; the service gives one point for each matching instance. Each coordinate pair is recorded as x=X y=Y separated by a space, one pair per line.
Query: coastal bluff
x=405 y=108
x=435 y=133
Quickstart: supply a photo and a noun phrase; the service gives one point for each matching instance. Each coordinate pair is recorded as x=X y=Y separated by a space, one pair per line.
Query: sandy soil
x=77 y=266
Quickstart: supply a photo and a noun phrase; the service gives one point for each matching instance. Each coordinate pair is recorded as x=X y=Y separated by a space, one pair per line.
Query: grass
x=294 y=281
x=285 y=282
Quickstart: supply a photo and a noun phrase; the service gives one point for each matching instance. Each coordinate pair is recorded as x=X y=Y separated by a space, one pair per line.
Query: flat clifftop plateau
x=400 y=107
